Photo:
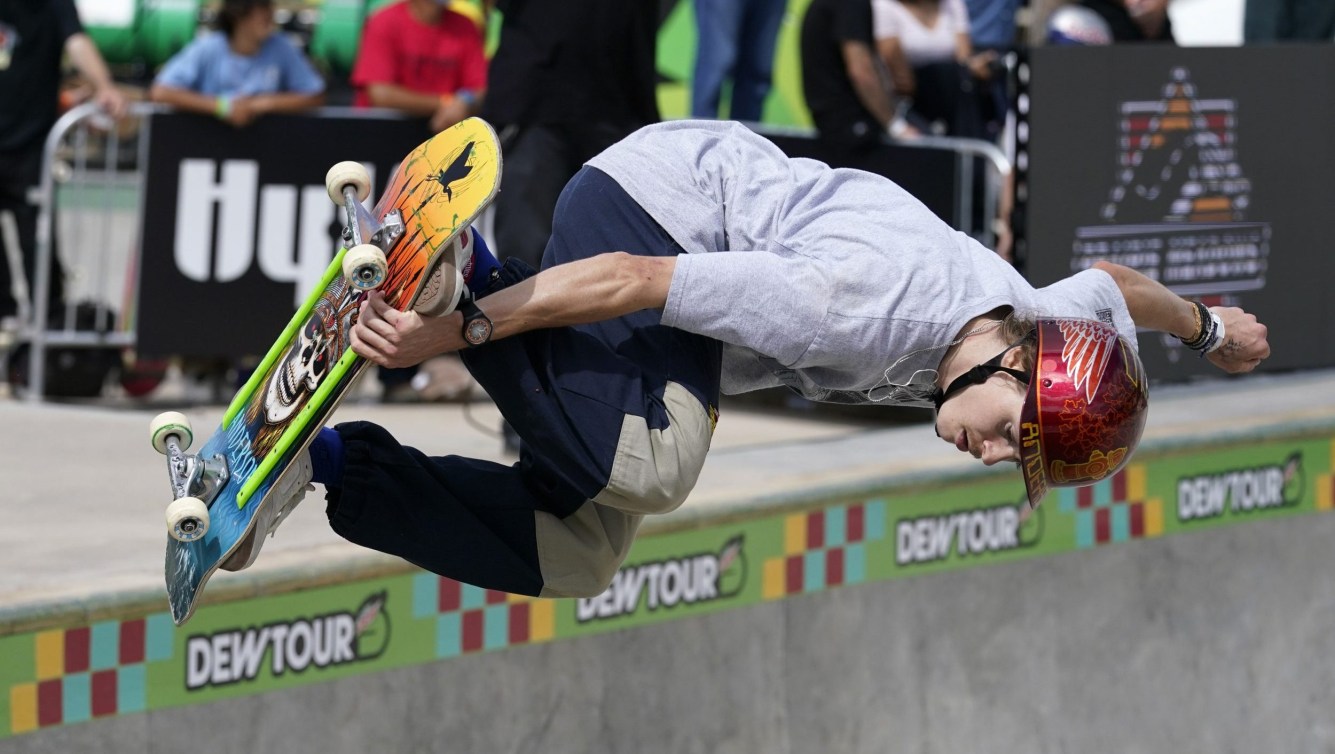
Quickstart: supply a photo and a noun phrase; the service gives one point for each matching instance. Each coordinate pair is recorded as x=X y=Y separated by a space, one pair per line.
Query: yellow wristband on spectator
x=222 y=107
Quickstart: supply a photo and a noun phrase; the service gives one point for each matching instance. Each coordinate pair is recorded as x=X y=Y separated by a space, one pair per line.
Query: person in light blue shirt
x=243 y=70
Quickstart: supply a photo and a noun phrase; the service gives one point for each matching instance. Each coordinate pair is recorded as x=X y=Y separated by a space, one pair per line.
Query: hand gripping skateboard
x=410 y=247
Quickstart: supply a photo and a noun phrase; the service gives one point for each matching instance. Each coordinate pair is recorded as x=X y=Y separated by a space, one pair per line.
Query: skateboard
x=409 y=247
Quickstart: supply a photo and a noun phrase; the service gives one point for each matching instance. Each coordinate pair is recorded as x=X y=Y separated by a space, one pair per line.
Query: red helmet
x=1086 y=406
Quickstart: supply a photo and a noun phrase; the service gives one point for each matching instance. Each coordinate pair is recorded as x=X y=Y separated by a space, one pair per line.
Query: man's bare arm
x=869 y=80
x=588 y=290
x=1155 y=307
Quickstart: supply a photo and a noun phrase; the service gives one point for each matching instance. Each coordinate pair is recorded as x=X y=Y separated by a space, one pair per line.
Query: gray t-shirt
x=835 y=282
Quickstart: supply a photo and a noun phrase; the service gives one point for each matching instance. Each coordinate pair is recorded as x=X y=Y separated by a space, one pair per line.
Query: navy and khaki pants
x=615 y=419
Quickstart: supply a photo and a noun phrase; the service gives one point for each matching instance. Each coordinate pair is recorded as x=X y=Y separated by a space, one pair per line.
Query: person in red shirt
x=421 y=58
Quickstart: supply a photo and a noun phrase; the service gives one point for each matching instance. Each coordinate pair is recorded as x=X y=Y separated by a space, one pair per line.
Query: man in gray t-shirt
x=693 y=259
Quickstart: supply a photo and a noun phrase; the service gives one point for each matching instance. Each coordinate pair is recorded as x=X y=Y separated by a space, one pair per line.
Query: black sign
x=1206 y=169
x=238 y=227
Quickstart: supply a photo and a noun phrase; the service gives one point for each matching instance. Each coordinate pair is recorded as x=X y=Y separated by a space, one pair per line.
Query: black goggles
x=980 y=374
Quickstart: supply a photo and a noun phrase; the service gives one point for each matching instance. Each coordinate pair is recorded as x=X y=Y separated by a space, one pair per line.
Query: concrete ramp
x=1183 y=605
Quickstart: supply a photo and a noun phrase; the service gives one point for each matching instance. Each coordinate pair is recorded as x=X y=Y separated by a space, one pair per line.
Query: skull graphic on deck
x=302 y=368
x=319 y=344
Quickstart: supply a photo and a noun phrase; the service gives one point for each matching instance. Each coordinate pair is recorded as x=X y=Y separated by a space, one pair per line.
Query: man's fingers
x=382 y=308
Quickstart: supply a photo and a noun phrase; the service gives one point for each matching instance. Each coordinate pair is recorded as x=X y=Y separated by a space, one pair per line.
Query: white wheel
x=347 y=173
x=187 y=519
x=365 y=267
x=170 y=423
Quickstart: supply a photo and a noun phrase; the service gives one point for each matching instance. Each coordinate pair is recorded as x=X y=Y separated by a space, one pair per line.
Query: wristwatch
x=477 y=327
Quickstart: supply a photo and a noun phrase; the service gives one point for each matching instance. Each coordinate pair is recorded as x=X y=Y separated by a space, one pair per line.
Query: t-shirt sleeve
x=958 y=16
x=375 y=56
x=885 y=19
x=184 y=69
x=473 y=74
x=1092 y=294
x=67 y=18
x=773 y=304
x=298 y=73
x=852 y=21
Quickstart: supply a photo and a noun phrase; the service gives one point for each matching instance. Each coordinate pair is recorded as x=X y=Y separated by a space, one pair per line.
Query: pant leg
x=754 y=71
x=717 y=23
x=615 y=417
x=536 y=169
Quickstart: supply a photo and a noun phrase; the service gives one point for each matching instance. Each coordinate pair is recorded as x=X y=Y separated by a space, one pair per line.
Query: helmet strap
x=981 y=373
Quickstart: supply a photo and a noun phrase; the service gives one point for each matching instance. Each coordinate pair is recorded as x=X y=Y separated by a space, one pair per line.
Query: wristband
x=222 y=106
x=1218 y=335
x=466 y=96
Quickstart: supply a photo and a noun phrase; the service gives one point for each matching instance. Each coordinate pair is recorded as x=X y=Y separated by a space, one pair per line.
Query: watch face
x=477 y=332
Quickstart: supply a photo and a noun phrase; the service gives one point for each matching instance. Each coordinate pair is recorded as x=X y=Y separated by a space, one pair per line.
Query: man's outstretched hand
x=392 y=338
x=1244 y=344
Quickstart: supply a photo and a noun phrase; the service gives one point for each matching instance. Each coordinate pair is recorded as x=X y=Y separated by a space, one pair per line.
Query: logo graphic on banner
x=1178 y=209
x=293 y=646
x=1239 y=491
x=670 y=582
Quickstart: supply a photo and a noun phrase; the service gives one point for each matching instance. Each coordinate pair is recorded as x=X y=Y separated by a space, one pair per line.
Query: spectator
x=735 y=40
x=992 y=32
x=421 y=58
x=243 y=70
x=568 y=80
x=927 y=47
x=33 y=38
x=846 y=85
x=1132 y=20
x=925 y=44
x=1288 y=20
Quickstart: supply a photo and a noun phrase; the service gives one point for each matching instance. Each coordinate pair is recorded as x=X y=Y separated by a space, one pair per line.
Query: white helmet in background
x=1078 y=25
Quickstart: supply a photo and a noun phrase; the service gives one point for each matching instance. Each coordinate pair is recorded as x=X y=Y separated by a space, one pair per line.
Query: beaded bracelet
x=1210 y=330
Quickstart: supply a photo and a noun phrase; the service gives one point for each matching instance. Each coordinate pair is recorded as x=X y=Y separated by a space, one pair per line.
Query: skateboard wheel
x=187 y=519
x=347 y=173
x=365 y=267
x=170 y=423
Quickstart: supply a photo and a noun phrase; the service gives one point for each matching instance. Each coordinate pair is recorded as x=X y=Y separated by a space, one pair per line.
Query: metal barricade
x=965 y=152
x=95 y=182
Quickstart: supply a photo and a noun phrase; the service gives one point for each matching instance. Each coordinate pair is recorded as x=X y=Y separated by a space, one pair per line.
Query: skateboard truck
x=195 y=481
x=366 y=237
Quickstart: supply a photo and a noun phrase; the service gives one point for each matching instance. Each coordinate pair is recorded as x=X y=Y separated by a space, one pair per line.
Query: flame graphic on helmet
x=1086 y=351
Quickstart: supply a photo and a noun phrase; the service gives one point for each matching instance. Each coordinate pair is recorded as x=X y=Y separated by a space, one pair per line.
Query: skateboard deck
x=436 y=193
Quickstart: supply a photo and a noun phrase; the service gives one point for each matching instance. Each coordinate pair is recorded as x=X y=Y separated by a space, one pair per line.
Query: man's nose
x=996 y=452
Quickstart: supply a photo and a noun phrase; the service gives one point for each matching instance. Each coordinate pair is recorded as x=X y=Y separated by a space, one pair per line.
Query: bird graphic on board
x=457 y=171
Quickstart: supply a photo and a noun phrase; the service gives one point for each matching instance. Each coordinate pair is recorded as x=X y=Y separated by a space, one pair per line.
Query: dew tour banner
x=81 y=672
x=1196 y=168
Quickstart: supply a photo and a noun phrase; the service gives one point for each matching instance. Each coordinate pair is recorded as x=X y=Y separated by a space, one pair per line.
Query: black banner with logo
x=238 y=227
x=1209 y=170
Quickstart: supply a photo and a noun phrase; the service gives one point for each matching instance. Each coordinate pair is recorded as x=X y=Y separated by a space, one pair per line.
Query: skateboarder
x=693 y=259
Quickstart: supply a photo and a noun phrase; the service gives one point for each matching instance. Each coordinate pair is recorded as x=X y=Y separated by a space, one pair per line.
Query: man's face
x=259 y=22
x=984 y=420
